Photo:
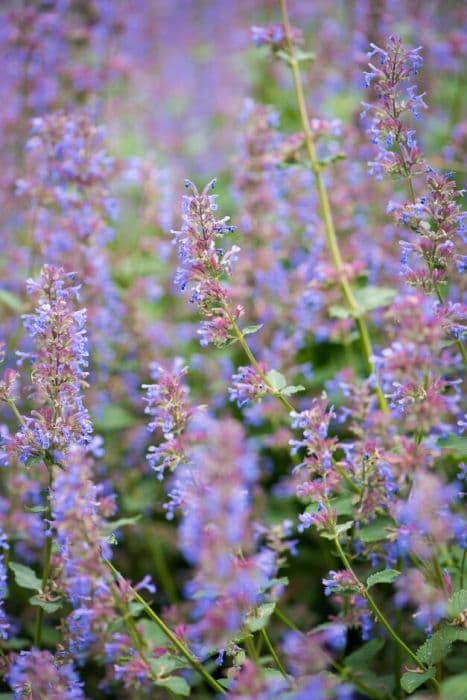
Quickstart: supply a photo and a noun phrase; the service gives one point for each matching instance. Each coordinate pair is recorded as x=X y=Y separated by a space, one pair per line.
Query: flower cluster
x=168 y=405
x=273 y=35
x=397 y=150
x=41 y=674
x=204 y=264
x=58 y=373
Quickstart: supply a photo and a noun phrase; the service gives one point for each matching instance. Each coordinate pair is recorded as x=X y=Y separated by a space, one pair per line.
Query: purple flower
x=40 y=674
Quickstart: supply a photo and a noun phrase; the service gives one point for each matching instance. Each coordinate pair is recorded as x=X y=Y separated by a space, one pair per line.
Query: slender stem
x=47 y=553
x=379 y=613
x=273 y=653
x=192 y=660
x=325 y=205
x=461 y=582
x=251 y=649
x=398 y=656
x=287 y=621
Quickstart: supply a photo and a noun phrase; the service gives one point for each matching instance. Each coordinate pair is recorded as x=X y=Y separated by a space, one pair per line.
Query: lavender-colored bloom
x=431 y=603
x=397 y=150
x=204 y=264
x=247 y=385
x=40 y=674
x=79 y=510
x=58 y=368
x=4 y=624
x=168 y=405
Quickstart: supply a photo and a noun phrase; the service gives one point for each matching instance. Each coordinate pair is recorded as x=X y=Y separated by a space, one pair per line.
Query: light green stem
x=331 y=237
x=192 y=660
x=273 y=653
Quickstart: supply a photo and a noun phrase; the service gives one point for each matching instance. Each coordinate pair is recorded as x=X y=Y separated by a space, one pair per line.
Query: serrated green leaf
x=455 y=688
x=343 y=527
x=375 y=531
x=248 y=330
x=10 y=300
x=259 y=618
x=276 y=380
x=457 y=604
x=176 y=684
x=47 y=606
x=291 y=389
x=121 y=522
x=411 y=680
x=367 y=652
x=371 y=297
x=385 y=576
x=25 y=577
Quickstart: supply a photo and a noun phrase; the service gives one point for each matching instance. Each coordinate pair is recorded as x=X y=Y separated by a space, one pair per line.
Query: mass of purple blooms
x=232 y=407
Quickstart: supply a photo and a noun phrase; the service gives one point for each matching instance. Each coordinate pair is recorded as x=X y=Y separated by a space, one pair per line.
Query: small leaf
x=456 y=443
x=304 y=55
x=251 y=329
x=457 y=604
x=371 y=297
x=176 y=684
x=411 y=680
x=153 y=633
x=166 y=663
x=343 y=527
x=10 y=300
x=46 y=605
x=259 y=618
x=375 y=531
x=338 y=311
x=362 y=656
x=25 y=577
x=276 y=380
x=291 y=389
x=121 y=522
x=385 y=576
x=454 y=688
x=35 y=509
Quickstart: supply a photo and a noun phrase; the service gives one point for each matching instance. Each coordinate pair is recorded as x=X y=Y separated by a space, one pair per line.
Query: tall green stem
x=380 y=616
x=192 y=660
x=47 y=552
x=331 y=237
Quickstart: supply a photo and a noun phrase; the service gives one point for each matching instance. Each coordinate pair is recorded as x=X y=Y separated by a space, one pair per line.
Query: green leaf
x=289 y=390
x=25 y=577
x=251 y=329
x=455 y=688
x=47 y=606
x=343 y=527
x=115 y=418
x=371 y=297
x=259 y=618
x=343 y=505
x=437 y=647
x=152 y=633
x=362 y=656
x=375 y=531
x=167 y=663
x=454 y=443
x=176 y=684
x=304 y=55
x=412 y=680
x=10 y=300
x=276 y=380
x=35 y=509
x=385 y=576
x=121 y=522
x=339 y=311
x=457 y=604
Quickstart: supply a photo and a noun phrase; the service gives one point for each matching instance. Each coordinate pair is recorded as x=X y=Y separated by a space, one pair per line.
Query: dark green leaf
x=375 y=531
x=47 y=606
x=363 y=655
x=412 y=680
x=385 y=576
x=25 y=577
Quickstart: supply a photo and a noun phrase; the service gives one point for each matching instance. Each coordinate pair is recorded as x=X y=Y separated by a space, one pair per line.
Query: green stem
x=398 y=656
x=461 y=582
x=47 y=553
x=273 y=653
x=192 y=660
x=162 y=570
x=331 y=237
x=379 y=613
x=287 y=621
